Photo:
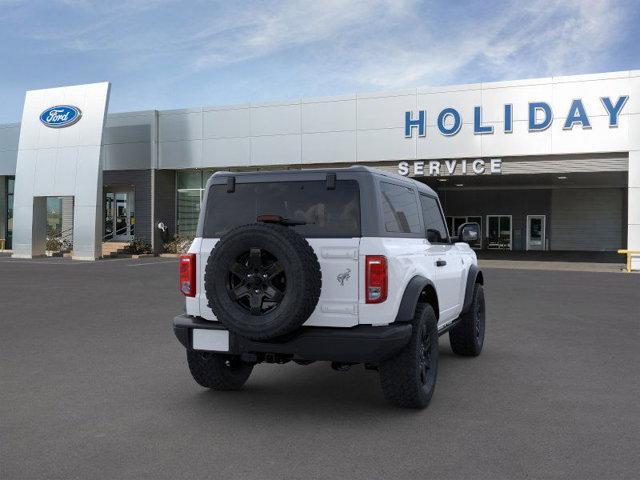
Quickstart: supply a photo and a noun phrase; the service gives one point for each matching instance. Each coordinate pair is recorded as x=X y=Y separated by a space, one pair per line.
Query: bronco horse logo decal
x=344 y=276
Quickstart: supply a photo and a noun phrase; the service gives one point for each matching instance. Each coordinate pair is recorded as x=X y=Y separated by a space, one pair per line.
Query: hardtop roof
x=272 y=175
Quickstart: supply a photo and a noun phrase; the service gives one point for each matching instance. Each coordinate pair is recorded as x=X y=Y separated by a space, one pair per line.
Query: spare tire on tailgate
x=262 y=280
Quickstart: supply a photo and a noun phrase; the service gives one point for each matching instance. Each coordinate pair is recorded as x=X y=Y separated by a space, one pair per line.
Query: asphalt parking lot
x=93 y=384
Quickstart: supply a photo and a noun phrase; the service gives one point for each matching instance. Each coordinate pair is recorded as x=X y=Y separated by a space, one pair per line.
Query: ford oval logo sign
x=60 y=116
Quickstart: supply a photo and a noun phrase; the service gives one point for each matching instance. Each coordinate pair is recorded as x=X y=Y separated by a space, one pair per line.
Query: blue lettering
x=457 y=122
x=409 y=123
x=614 y=110
x=478 y=128
x=534 y=125
x=577 y=114
x=508 y=118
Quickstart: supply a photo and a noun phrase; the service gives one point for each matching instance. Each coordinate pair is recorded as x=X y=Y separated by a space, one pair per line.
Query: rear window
x=326 y=213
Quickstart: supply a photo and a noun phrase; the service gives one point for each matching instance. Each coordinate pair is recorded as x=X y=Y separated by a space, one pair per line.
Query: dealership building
x=547 y=164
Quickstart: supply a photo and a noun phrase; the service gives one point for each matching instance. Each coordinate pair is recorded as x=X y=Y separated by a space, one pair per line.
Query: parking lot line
x=152 y=263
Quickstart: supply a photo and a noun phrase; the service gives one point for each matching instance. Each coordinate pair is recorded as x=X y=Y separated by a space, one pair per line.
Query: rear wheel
x=467 y=337
x=218 y=372
x=409 y=378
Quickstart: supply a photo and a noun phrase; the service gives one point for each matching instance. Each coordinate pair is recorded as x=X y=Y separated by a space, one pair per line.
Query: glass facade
x=191 y=185
x=8 y=234
x=54 y=216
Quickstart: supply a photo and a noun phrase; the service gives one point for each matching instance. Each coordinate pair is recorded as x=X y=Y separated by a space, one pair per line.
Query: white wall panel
x=633 y=104
x=495 y=98
x=44 y=174
x=436 y=145
x=519 y=142
x=385 y=112
x=633 y=229
x=34 y=105
x=226 y=152
x=85 y=192
x=463 y=101
x=599 y=138
x=226 y=123
x=8 y=160
x=64 y=178
x=181 y=125
x=329 y=116
x=91 y=125
x=633 y=211
x=9 y=135
x=386 y=144
x=633 y=242
x=275 y=120
x=127 y=156
x=25 y=178
x=276 y=150
x=634 y=131
x=129 y=129
x=329 y=147
x=589 y=92
x=185 y=154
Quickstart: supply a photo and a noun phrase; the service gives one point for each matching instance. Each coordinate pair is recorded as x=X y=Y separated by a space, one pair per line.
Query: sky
x=163 y=54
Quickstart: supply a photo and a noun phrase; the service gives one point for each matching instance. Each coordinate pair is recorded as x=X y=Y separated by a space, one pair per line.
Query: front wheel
x=409 y=378
x=217 y=371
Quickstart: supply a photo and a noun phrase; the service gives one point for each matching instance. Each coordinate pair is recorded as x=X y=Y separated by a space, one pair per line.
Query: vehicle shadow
x=316 y=389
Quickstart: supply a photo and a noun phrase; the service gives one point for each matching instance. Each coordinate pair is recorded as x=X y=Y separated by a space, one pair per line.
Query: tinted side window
x=399 y=209
x=435 y=227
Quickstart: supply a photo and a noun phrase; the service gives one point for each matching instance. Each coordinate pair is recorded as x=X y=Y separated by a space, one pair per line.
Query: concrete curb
x=551 y=266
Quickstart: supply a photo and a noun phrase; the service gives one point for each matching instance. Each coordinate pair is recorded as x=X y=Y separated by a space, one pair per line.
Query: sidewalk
x=547 y=265
x=565 y=261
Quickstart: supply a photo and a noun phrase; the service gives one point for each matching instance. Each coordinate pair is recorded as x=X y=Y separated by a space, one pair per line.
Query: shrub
x=138 y=246
x=179 y=244
x=53 y=244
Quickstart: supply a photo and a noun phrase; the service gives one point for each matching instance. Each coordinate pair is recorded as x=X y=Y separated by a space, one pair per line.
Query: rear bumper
x=360 y=344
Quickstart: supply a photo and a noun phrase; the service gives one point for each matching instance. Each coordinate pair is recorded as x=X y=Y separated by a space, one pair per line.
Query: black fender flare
x=474 y=276
x=411 y=297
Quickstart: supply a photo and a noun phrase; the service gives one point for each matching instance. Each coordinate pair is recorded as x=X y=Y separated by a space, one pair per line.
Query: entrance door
x=536 y=232
x=119 y=220
x=499 y=232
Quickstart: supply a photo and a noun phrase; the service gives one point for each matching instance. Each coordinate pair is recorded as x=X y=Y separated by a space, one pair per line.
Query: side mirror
x=468 y=232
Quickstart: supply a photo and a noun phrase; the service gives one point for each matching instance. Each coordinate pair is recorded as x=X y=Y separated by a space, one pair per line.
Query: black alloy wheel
x=257 y=281
x=425 y=357
x=408 y=379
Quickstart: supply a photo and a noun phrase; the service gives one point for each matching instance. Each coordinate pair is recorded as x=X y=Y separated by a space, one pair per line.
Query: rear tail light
x=376 y=278
x=188 y=274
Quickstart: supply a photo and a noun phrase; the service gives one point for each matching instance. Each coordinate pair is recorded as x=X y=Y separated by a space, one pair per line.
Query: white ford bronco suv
x=347 y=265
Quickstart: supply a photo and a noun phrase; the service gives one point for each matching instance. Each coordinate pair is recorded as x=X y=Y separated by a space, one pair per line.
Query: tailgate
x=338 y=303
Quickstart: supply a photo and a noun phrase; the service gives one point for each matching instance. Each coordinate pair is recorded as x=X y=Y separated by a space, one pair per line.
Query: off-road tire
x=404 y=382
x=218 y=372
x=467 y=337
x=299 y=264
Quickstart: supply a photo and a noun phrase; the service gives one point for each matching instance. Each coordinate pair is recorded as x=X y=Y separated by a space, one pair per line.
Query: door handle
x=441 y=263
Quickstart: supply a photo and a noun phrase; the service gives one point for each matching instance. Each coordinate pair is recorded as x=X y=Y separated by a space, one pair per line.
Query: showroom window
x=190 y=190
x=8 y=234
